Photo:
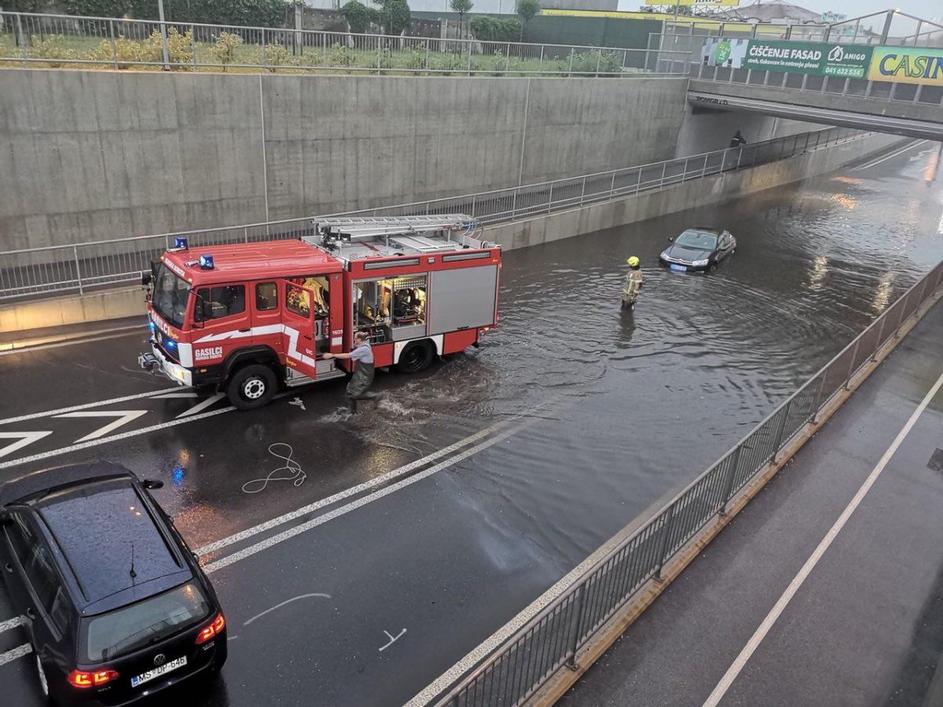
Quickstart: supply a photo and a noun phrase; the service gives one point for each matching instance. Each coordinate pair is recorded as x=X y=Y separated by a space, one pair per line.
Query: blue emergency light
x=180 y=242
x=206 y=262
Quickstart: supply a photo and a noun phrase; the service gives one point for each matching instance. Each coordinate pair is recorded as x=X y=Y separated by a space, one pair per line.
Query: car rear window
x=144 y=623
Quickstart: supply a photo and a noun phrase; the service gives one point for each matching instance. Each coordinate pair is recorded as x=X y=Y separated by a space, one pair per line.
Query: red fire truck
x=248 y=318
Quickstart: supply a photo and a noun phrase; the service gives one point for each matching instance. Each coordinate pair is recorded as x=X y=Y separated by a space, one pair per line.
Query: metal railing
x=52 y=269
x=115 y=43
x=555 y=636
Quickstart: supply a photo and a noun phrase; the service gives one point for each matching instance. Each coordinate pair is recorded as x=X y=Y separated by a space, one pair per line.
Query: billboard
x=811 y=58
x=914 y=65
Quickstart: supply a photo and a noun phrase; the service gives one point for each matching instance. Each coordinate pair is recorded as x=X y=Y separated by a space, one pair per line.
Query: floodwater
x=644 y=402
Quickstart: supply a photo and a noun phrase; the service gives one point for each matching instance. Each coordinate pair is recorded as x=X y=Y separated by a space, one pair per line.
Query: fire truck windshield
x=170 y=296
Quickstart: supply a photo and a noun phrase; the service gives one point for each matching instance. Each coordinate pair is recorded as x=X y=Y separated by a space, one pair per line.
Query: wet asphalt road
x=569 y=422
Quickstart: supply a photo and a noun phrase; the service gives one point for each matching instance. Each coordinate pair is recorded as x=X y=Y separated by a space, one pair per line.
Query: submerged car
x=116 y=605
x=698 y=249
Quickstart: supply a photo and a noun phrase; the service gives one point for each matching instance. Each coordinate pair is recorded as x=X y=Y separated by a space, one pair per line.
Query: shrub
x=596 y=60
x=51 y=48
x=359 y=17
x=340 y=55
x=493 y=29
x=128 y=52
x=225 y=47
x=275 y=55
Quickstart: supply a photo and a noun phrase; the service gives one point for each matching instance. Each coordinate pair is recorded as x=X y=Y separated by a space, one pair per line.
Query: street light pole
x=163 y=35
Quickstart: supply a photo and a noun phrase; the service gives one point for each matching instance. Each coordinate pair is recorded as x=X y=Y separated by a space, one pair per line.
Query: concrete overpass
x=912 y=118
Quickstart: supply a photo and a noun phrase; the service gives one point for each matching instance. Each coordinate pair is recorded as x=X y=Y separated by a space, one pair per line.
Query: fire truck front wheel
x=251 y=387
x=416 y=357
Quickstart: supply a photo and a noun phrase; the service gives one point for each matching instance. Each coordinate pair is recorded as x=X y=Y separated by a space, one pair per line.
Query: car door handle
x=31 y=614
x=8 y=567
x=243 y=331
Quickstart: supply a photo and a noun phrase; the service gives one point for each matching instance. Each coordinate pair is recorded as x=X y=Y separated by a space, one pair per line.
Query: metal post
x=917 y=93
x=583 y=191
x=163 y=35
x=264 y=57
x=664 y=171
x=114 y=48
x=728 y=482
x=818 y=398
x=299 y=44
x=78 y=269
x=880 y=340
x=193 y=45
x=550 y=198
x=379 y=53
x=541 y=65
x=507 y=63
x=474 y=203
x=851 y=364
x=569 y=70
x=245 y=234
x=19 y=33
x=888 y=21
x=782 y=430
x=723 y=162
x=665 y=533
x=598 y=60
x=917 y=33
x=638 y=184
x=612 y=186
x=740 y=157
x=425 y=63
x=571 y=663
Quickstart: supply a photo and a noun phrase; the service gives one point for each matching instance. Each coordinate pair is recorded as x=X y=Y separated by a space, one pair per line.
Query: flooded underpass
x=572 y=419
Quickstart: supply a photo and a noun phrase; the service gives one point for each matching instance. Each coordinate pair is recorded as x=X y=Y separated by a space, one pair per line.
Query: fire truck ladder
x=412 y=228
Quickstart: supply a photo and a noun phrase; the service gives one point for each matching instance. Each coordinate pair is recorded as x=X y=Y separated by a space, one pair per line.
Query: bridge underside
x=899 y=118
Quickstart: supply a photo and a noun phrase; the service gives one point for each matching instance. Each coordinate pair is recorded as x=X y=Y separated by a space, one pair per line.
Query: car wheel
x=251 y=387
x=415 y=357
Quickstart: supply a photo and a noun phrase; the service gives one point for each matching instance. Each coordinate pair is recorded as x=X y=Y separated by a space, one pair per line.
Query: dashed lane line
x=11 y=623
x=15 y=653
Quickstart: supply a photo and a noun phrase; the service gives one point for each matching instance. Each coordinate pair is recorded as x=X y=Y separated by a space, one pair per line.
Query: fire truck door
x=299 y=319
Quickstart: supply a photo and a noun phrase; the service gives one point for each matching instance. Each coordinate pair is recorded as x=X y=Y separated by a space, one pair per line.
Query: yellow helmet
x=633 y=262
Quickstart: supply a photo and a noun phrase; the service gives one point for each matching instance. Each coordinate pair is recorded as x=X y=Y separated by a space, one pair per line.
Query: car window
x=21 y=537
x=266 y=296
x=131 y=627
x=218 y=302
x=42 y=576
x=60 y=612
x=698 y=239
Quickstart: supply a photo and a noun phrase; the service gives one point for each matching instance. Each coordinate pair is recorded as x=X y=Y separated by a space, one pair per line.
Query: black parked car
x=117 y=607
x=698 y=249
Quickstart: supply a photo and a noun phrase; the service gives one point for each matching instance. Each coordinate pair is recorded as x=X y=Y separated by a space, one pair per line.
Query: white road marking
x=885 y=158
x=360 y=502
x=353 y=490
x=15 y=653
x=11 y=623
x=392 y=639
x=70 y=342
x=284 y=603
x=184 y=394
x=741 y=660
x=124 y=417
x=86 y=406
x=201 y=406
x=24 y=438
x=113 y=438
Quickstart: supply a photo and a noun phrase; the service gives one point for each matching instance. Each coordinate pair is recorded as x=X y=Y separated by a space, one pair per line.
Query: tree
x=359 y=17
x=461 y=7
x=526 y=10
x=97 y=8
x=395 y=16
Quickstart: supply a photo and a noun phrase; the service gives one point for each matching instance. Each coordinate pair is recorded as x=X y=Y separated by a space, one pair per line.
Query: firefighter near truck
x=250 y=319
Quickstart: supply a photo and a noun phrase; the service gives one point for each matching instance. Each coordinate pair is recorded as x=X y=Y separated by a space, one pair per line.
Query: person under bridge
x=362 y=378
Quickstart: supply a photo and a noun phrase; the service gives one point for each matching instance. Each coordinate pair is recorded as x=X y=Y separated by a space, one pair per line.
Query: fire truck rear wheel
x=416 y=357
x=251 y=387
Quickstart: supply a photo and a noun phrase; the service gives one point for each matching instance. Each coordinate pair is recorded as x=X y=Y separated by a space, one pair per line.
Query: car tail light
x=95 y=678
x=211 y=630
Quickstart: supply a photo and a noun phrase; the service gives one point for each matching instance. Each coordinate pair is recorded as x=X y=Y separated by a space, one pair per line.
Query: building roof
x=772 y=12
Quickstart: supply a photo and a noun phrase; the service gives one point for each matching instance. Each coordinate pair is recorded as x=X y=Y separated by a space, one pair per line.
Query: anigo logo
x=208 y=353
x=837 y=54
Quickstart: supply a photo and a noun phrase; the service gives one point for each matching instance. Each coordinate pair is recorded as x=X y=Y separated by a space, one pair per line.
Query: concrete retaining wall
x=716 y=189
x=90 y=155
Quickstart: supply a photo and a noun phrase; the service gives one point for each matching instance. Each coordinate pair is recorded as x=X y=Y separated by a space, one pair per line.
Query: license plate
x=680 y=268
x=157 y=672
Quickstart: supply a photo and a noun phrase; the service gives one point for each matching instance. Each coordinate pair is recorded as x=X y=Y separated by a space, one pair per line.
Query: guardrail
x=36 y=271
x=116 y=43
x=554 y=638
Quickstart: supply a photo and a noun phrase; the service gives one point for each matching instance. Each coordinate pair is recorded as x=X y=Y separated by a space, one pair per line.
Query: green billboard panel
x=811 y=58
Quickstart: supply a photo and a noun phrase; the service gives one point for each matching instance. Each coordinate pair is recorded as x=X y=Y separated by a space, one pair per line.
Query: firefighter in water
x=362 y=379
x=633 y=284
